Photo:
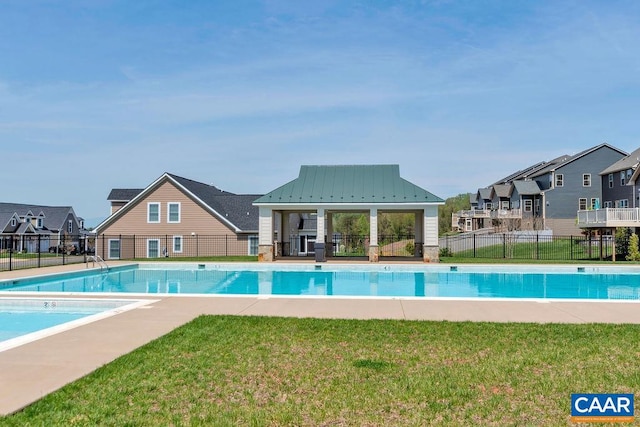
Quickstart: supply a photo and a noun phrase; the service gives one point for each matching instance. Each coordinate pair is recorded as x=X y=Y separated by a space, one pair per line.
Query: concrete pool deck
x=35 y=369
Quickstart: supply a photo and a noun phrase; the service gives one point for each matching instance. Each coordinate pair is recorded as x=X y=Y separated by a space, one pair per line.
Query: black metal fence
x=41 y=250
x=356 y=245
x=166 y=245
x=528 y=246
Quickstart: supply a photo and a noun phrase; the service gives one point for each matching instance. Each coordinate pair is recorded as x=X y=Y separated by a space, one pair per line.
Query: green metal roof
x=349 y=184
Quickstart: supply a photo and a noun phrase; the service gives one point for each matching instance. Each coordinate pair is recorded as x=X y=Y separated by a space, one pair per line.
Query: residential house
x=176 y=216
x=39 y=228
x=618 y=189
x=548 y=194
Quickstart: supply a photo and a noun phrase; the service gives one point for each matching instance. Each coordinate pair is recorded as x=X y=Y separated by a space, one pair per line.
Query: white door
x=153 y=248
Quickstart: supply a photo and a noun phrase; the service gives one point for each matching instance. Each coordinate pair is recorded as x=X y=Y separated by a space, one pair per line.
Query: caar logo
x=604 y=408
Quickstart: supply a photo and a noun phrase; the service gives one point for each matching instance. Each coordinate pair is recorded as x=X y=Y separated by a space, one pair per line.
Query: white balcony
x=506 y=213
x=609 y=217
x=474 y=213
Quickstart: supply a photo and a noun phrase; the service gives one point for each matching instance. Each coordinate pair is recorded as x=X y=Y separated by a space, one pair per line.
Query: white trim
x=256 y=239
x=109 y=249
x=169 y=204
x=149 y=249
x=173 y=244
x=149 y=204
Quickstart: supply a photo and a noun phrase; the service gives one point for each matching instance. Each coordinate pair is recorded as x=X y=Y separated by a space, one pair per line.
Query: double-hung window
x=527 y=205
x=622 y=178
x=595 y=202
x=610 y=180
x=559 y=180
x=582 y=204
x=177 y=244
x=586 y=180
x=153 y=212
x=70 y=226
x=173 y=212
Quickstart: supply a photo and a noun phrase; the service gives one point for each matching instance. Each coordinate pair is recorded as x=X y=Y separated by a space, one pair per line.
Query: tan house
x=176 y=216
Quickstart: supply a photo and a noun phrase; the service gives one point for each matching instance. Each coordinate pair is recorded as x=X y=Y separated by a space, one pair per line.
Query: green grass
x=558 y=250
x=260 y=371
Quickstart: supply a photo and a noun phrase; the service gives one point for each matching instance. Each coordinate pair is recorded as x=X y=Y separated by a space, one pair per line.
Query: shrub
x=634 y=250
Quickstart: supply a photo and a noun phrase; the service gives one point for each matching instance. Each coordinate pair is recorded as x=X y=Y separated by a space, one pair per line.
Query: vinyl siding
x=203 y=234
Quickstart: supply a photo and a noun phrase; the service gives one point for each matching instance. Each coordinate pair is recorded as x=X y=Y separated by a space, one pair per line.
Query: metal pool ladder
x=96 y=258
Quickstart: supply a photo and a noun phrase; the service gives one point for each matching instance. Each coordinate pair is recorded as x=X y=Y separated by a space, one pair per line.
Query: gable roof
x=484 y=193
x=236 y=210
x=123 y=194
x=360 y=184
x=565 y=160
x=501 y=190
x=629 y=162
x=526 y=188
x=55 y=216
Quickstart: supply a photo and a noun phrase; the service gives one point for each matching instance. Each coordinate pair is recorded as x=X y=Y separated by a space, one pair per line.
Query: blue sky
x=102 y=94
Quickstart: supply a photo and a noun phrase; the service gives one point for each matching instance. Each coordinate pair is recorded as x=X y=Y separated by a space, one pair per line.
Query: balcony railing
x=506 y=213
x=474 y=213
x=609 y=217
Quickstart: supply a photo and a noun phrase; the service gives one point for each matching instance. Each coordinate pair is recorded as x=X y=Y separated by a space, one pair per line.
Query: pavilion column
x=265 y=234
x=431 y=248
x=329 y=234
x=374 y=253
x=285 y=241
x=320 y=233
x=418 y=234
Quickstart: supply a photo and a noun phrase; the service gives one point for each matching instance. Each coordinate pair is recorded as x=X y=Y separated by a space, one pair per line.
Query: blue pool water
x=362 y=281
x=21 y=318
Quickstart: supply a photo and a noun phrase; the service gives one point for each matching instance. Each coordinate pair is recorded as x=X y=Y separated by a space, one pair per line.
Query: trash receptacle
x=319 y=249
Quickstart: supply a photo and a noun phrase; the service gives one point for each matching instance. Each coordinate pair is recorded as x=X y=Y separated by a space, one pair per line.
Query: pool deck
x=35 y=369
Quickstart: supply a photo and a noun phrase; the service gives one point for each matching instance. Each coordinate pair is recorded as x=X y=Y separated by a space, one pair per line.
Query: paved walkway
x=35 y=369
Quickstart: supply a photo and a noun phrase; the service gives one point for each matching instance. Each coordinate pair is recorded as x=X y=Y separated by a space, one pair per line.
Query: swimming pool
x=24 y=320
x=322 y=280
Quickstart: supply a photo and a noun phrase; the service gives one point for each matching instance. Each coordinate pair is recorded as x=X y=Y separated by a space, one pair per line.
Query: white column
x=373 y=227
x=265 y=226
x=431 y=226
x=320 y=229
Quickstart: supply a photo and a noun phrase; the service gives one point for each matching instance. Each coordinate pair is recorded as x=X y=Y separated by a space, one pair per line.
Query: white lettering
x=577 y=404
x=624 y=402
x=608 y=404
x=595 y=404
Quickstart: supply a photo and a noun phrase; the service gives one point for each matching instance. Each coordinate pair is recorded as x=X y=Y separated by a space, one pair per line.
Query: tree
x=634 y=250
x=451 y=205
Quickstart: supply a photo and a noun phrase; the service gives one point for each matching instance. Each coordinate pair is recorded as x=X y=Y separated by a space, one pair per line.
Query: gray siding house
x=552 y=191
x=618 y=189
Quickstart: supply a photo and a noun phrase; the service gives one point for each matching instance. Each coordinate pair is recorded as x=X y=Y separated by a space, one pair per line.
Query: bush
x=634 y=250
x=445 y=252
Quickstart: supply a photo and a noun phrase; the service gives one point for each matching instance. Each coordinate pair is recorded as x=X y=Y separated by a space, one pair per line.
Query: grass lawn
x=560 y=249
x=255 y=371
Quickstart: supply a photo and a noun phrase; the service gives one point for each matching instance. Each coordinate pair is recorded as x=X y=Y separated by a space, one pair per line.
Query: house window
x=610 y=180
x=528 y=205
x=253 y=245
x=586 y=180
x=582 y=204
x=39 y=223
x=70 y=226
x=114 y=249
x=153 y=212
x=504 y=204
x=13 y=222
x=177 y=244
x=488 y=205
x=559 y=180
x=624 y=203
x=622 y=178
x=153 y=248
x=607 y=204
x=595 y=203
x=173 y=212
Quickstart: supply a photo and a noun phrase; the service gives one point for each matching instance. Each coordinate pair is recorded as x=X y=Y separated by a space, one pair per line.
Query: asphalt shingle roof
x=54 y=216
x=124 y=194
x=527 y=188
x=628 y=162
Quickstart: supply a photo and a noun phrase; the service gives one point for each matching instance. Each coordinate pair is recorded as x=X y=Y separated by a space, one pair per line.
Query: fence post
x=504 y=245
x=474 y=245
x=64 y=249
x=39 y=252
x=11 y=255
x=537 y=245
x=226 y=245
x=571 y=247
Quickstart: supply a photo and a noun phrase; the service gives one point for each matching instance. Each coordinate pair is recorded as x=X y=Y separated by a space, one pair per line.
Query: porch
x=609 y=218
